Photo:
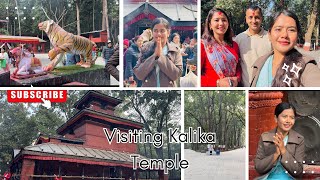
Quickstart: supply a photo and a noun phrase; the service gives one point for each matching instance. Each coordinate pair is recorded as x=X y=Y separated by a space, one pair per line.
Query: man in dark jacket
x=191 y=58
x=111 y=65
x=107 y=51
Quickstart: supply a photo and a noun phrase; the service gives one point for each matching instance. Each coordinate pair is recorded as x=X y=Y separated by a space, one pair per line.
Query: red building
x=138 y=16
x=99 y=37
x=81 y=150
x=34 y=43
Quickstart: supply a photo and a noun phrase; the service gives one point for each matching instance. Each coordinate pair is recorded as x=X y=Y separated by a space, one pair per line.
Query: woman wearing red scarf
x=219 y=53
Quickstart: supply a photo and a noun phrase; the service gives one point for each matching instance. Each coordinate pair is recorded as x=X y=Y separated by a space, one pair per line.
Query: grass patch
x=66 y=70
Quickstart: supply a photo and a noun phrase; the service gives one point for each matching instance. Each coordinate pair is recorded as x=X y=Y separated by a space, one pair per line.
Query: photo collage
x=159 y=90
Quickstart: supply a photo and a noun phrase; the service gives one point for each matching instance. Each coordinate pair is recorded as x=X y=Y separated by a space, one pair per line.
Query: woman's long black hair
x=172 y=36
x=208 y=33
x=292 y=56
x=283 y=106
x=156 y=21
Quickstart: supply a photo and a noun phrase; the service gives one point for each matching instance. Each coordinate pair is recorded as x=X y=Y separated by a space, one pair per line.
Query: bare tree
x=317 y=34
x=78 y=17
x=55 y=17
x=105 y=22
x=18 y=17
x=311 y=24
x=93 y=4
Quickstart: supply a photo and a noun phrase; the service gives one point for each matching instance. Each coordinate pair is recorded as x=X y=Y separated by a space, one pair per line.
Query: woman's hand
x=278 y=141
x=276 y=155
x=158 y=50
x=228 y=82
x=130 y=82
x=234 y=81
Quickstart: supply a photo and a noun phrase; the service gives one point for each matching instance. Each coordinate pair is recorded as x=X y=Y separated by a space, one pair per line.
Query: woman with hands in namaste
x=280 y=151
x=160 y=64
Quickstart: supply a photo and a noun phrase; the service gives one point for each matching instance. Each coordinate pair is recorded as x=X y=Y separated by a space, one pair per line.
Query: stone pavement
x=229 y=165
x=313 y=54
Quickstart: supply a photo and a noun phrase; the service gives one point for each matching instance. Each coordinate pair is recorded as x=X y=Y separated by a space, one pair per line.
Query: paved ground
x=229 y=165
x=45 y=61
x=313 y=54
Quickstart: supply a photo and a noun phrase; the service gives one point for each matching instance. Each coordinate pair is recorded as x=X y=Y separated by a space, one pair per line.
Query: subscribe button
x=37 y=96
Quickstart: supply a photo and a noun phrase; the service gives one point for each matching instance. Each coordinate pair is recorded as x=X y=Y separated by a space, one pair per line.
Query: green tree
x=312 y=18
x=20 y=123
x=236 y=11
x=17 y=130
x=32 y=14
x=222 y=112
x=158 y=110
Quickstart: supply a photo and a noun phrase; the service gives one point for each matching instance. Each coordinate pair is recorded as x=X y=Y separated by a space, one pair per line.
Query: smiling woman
x=285 y=66
x=280 y=151
x=160 y=64
x=219 y=53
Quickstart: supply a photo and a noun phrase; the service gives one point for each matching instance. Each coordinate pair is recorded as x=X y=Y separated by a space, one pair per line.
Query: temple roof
x=20 y=39
x=182 y=11
x=76 y=153
x=46 y=138
x=96 y=96
x=104 y=117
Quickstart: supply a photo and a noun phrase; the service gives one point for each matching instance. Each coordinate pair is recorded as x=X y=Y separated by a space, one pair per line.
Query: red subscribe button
x=36 y=96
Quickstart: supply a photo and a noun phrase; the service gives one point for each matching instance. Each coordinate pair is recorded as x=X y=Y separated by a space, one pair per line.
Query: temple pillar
x=27 y=169
x=42 y=47
x=261 y=119
x=34 y=48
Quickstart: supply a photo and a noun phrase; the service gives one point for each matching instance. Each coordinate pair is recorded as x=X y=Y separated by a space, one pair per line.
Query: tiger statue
x=63 y=42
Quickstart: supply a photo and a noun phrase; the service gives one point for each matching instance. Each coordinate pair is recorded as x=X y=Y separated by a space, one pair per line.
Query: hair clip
x=285 y=67
x=295 y=69
x=287 y=80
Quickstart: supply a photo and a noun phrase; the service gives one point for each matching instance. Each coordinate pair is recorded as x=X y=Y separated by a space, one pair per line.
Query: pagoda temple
x=139 y=14
x=81 y=150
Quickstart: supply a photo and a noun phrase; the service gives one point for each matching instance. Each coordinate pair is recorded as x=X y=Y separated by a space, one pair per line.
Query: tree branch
x=238 y=116
x=45 y=12
x=140 y=113
x=69 y=24
x=190 y=113
x=64 y=12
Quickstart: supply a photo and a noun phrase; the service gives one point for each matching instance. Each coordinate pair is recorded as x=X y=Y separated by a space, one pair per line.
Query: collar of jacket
x=294 y=137
x=257 y=68
x=258 y=64
x=260 y=34
x=260 y=61
x=135 y=47
x=172 y=47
